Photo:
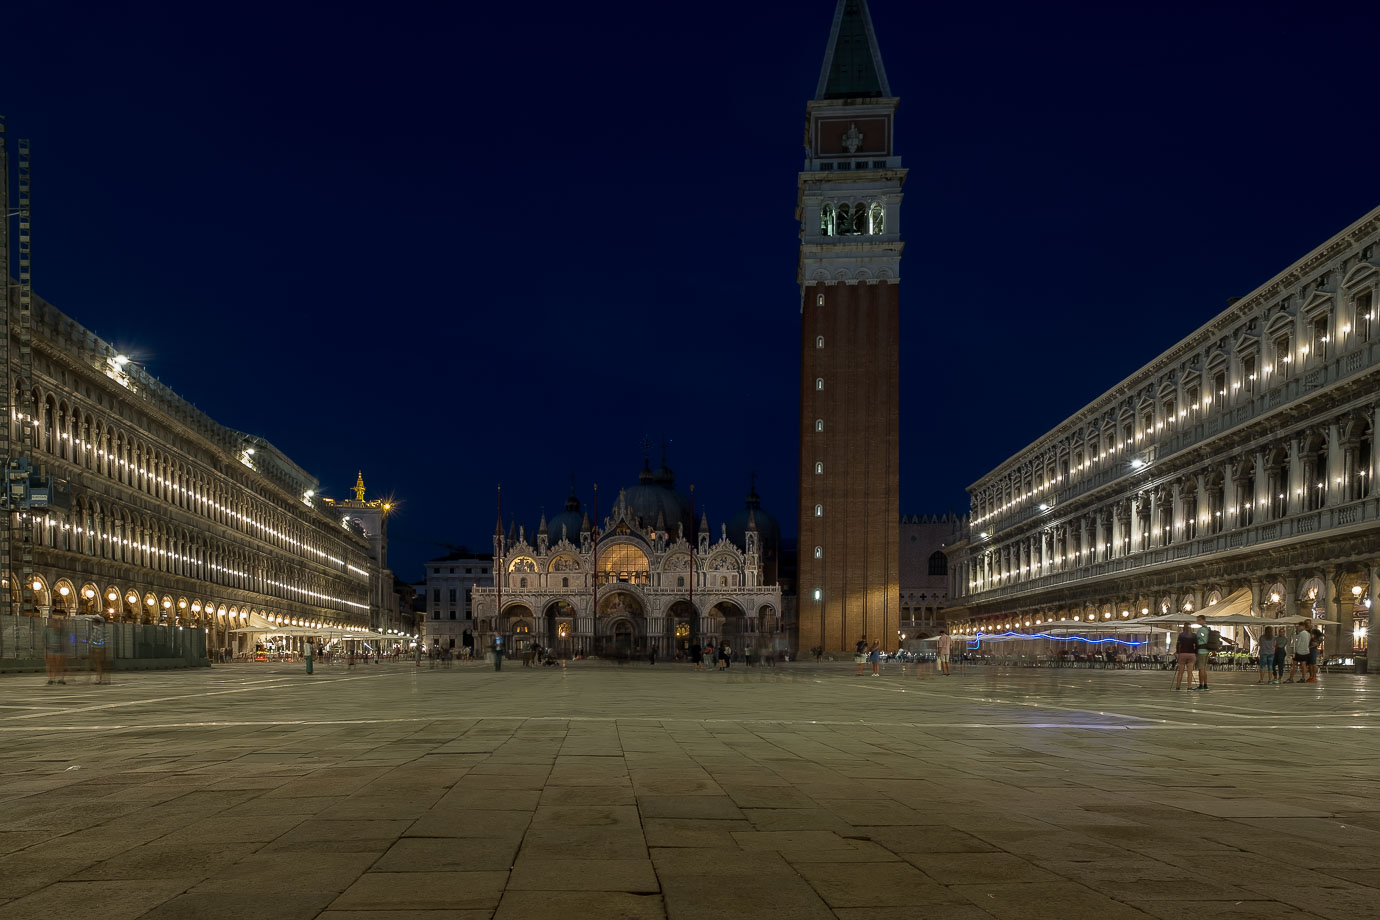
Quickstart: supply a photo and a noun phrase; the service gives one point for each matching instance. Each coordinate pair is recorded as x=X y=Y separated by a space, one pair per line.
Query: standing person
x=697 y=655
x=725 y=655
x=1299 y=644
x=1315 y=650
x=95 y=641
x=651 y=656
x=712 y=654
x=1203 y=636
x=860 y=655
x=943 y=647
x=874 y=655
x=1266 y=651
x=54 y=641
x=819 y=654
x=1281 y=651
x=1186 y=653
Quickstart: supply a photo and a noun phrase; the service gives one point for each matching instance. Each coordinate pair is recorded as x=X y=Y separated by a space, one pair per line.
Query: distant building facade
x=849 y=208
x=450 y=581
x=925 y=571
x=1243 y=457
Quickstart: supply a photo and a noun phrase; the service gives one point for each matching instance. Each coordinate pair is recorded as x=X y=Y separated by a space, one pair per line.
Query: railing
x=1312 y=523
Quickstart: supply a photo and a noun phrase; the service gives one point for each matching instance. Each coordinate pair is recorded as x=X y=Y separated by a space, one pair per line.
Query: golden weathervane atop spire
x=359 y=487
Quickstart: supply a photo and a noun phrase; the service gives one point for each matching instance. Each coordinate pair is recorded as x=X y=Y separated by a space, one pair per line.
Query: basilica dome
x=655 y=494
x=571 y=519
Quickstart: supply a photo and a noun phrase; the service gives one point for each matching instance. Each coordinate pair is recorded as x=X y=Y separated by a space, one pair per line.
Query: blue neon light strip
x=1006 y=636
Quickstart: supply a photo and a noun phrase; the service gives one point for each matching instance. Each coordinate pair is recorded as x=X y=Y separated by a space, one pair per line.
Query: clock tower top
x=852 y=63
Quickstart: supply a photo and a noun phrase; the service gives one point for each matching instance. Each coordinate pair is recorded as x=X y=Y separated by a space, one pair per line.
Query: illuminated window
x=819 y=511
x=623 y=563
x=819 y=467
x=876 y=219
x=819 y=300
x=819 y=424
x=819 y=383
x=826 y=223
x=818 y=594
x=819 y=552
x=819 y=339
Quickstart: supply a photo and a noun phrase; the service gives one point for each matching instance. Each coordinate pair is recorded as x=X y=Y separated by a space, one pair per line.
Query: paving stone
x=547 y=874
x=444 y=854
x=564 y=905
x=423 y=891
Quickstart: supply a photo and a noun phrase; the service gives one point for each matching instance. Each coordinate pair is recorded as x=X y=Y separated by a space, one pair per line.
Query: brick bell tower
x=849 y=207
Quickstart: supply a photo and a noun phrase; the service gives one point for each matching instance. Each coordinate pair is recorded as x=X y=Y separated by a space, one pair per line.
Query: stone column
x=1291 y=595
x=1373 y=646
x=1261 y=511
x=1155 y=536
x=1230 y=505
x=1176 y=526
x=1334 y=493
x=1293 y=495
x=1334 y=599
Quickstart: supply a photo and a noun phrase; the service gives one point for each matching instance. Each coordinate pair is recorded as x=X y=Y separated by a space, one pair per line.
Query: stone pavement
x=388 y=791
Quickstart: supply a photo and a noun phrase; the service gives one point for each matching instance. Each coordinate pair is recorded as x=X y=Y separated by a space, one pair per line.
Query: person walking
x=1186 y=653
x=1203 y=638
x=943 y=647
x=697 y=656
x=1299 y=644
x=1265 y=649
x=95 y=642
x=860 y=655
x=54 y=651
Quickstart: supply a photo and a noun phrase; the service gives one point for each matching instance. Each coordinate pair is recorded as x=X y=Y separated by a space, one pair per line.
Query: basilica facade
x=1240 y=461
x=648 y=577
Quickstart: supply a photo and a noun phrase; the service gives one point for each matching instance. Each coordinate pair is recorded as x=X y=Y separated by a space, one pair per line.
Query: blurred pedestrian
x=860 y=654
x=55 y=647
x=697 y=655
x=95 y=643
x=943 y=646
x=874 y=655
x=1299 y=645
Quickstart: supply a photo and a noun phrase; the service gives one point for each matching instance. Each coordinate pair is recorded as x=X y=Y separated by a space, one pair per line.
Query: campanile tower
x=849 y=207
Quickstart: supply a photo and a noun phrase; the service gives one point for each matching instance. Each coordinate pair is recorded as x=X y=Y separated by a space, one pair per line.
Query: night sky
x=459 y=244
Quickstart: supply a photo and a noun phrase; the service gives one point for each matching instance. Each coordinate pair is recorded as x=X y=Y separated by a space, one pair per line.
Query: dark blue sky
x=458 y=244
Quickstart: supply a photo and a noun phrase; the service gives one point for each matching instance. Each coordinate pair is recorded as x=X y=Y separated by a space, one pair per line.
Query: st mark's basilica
x=648 y=577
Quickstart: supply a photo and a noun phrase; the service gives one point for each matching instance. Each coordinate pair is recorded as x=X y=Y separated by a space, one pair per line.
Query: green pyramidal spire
x=852 y=64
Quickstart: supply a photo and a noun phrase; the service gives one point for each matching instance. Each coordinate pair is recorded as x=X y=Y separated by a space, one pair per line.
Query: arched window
x=819 y=511
x=819 y=300
x=819 y=339
x=876 y=219
x=859 y=218
x=826 y=220
x=819 y=383
x=565 y=582
x=522 y=582
x=844 y=221
x=680 y=581
x=819 y=467
x=939 y=563
x=819 y=424
x=819 y=552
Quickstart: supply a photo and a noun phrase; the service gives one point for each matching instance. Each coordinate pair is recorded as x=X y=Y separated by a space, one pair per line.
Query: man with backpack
x=1208 y=641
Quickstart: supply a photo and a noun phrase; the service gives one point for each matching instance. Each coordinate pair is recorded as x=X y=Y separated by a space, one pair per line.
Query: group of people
x=1196 y=643
x=721 y=655
x=55 y=639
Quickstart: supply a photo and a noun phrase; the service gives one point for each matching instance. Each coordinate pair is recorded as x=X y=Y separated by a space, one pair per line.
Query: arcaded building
x=1242 y=458
x=849 y=208
x=130 y=502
